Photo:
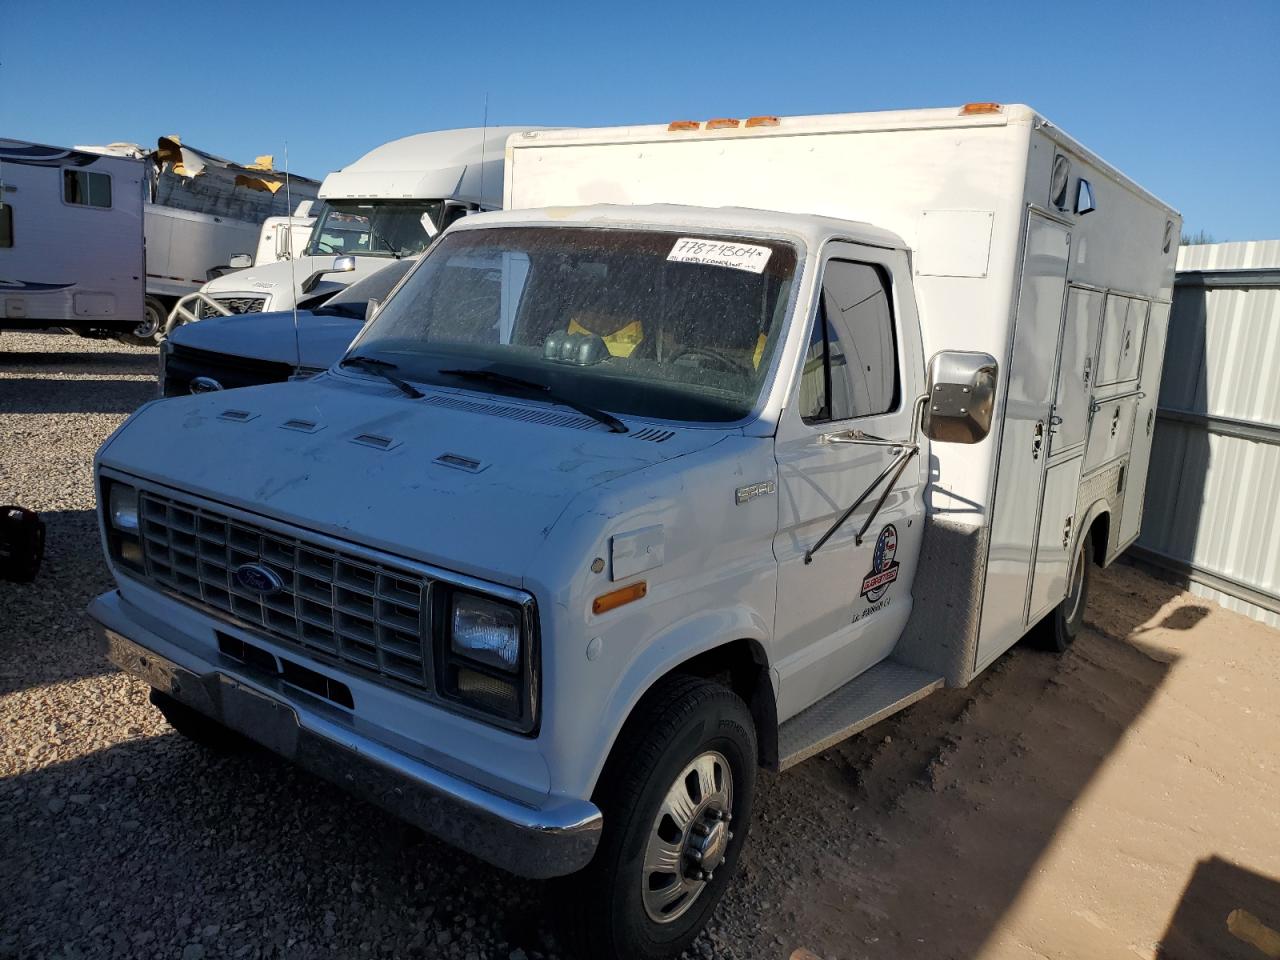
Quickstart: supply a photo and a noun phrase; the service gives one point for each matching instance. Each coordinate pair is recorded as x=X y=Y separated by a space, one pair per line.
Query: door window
x=6 y=225
x=851 y=364
x=86 y=189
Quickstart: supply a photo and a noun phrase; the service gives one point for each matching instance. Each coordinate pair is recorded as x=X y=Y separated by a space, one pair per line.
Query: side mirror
x=240 y=261
x=371 y=308
x=340 y=265
x=962 y=396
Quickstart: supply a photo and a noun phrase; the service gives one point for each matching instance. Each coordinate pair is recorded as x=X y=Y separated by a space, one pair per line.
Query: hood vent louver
x=237 y=416
x=549 y=418
x=302 y=426
x=375 y=440
x=653 y=435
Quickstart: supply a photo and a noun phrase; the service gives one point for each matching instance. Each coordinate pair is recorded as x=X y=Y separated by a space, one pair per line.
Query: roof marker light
x=761 y=122
x=682 y=125
x=985 y=106
x=722 y=123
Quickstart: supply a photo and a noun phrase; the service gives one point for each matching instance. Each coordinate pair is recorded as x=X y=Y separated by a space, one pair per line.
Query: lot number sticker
x=718 y=253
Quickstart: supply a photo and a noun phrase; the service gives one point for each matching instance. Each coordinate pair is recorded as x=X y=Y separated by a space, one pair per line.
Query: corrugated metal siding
x=1243 y=255
x=1213 y=498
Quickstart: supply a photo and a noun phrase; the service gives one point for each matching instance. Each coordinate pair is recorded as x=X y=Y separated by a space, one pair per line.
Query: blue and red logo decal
x=884 y=568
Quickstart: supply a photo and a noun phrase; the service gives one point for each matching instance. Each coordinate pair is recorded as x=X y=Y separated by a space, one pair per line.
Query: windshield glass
x=657 y=324
x=373 y=228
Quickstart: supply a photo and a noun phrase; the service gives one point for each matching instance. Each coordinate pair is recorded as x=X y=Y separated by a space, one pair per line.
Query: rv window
x=851 y=368
x=87 y=189
x=6 y=225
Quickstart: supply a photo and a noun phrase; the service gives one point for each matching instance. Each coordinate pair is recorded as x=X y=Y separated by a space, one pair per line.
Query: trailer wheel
x=1059 y=629
x=147 y=333
x=676 y=796
x=195 y=726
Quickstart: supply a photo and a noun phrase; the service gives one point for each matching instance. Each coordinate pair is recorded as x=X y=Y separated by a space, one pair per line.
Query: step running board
x=865 y=700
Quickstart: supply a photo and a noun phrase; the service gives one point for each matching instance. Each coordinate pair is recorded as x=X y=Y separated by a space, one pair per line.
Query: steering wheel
x=723 y=360
x=324 y=247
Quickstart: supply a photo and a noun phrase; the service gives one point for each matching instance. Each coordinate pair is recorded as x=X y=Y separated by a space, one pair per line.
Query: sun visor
x=441 y=183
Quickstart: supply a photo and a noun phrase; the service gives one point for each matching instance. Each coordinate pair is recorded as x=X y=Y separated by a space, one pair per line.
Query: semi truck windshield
x=373 y=228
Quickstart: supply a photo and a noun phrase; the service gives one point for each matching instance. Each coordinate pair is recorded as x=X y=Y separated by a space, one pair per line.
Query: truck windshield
x=674 y=326
x=373 y=228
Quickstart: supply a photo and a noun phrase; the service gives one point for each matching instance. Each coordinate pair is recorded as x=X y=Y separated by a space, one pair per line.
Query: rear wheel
x=676 y=796
x=147 y=333
x=194 y=725
x=1060 y=628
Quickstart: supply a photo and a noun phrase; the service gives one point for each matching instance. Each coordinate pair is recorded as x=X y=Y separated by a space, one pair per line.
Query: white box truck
x=388 y=204
x=742 y=437
x=70 y=239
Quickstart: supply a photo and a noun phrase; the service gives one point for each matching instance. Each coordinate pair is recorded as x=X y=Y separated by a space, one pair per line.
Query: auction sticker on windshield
x=720 y=253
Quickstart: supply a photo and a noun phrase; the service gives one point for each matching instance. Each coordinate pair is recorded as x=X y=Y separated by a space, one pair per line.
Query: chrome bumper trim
x=530 y=842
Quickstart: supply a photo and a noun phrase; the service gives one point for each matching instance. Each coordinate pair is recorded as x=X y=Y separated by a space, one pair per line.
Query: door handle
x=1038 y=442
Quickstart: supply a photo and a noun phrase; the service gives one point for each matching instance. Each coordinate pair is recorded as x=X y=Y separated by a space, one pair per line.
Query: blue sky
x=1184 y=97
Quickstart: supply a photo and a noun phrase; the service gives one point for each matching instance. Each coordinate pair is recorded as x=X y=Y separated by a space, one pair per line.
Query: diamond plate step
x=867 y=699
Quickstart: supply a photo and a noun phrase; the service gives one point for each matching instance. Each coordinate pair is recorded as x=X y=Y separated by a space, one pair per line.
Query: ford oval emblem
x=258 y=578
x=204 y=385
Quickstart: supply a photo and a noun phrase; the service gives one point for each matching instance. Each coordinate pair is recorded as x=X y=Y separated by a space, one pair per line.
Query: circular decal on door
x=884 y=568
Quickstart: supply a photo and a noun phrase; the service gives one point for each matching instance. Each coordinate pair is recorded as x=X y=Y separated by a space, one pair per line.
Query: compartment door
x=1024 y=436
x=1135 y=481
x=1057 y=526
x=1070 y=423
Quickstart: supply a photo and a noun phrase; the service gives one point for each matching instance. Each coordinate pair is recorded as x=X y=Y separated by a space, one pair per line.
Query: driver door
x=842 y=611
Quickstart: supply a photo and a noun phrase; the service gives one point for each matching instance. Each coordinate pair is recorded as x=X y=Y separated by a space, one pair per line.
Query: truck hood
x=276 y=280
x=321 y=339
x=302 y=453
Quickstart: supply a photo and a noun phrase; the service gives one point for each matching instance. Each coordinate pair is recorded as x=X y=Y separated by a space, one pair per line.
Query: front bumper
x=525 y=840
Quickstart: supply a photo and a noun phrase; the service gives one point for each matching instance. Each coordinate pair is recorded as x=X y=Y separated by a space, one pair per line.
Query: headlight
x=486 y=631
x=122 y=508
x=488 y=660
x=123 y=529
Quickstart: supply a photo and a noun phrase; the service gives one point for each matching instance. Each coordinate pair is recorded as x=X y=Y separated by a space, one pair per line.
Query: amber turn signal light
x=617 y=598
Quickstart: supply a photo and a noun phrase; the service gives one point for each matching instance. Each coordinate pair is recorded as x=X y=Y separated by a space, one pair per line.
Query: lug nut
x=708 y=876
x=696 y=855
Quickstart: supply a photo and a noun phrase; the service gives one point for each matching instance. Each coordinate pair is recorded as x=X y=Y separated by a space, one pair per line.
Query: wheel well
x=1099 y=533
x=742 y=666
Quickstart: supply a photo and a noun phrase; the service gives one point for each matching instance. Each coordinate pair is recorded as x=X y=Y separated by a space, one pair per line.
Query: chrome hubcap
x=149 y=326
x=689 y=837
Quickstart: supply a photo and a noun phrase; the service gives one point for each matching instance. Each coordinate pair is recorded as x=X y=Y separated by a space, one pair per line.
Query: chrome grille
x=366 y=614
x=235 y=305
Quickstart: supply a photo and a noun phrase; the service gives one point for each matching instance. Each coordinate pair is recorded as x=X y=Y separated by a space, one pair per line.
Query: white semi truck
x=388 y=204
x=723 y=442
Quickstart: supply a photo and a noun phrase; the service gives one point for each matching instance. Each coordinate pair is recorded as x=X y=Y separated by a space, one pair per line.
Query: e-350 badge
x=884 y=569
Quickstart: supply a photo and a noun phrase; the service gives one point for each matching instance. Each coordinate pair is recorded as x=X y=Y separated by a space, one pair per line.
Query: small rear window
x=86 y=189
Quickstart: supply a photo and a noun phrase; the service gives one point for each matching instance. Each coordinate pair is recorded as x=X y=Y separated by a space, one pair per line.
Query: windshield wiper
x=493 y=376
x=387 y=243
x=382 y=368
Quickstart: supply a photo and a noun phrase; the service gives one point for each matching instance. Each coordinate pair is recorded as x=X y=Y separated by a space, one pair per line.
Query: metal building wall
x=1213 y=494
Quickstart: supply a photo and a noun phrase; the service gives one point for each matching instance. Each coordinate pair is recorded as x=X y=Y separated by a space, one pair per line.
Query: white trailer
x=202 y=212
x=390 y=203
x=71 y=225
x=635 y=487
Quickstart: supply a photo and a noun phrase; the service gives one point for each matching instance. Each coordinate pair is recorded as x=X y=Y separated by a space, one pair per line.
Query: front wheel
x=676 y=796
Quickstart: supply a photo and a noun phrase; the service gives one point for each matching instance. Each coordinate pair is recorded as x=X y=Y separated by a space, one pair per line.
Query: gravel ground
x=995 y=821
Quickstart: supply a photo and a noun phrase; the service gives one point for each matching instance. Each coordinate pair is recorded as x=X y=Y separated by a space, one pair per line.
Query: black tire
x=1065 y=622
x=151 y=329
x=601 y=910
x=195 y=726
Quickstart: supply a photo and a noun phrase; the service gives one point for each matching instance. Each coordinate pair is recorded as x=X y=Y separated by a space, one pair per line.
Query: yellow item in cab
x=755 y=357
x=621 y=343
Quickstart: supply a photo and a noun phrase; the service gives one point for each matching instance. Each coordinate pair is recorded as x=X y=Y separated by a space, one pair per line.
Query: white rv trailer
x=390 y=203
x=201 y=212
x=614 y=501
x=71 y=227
